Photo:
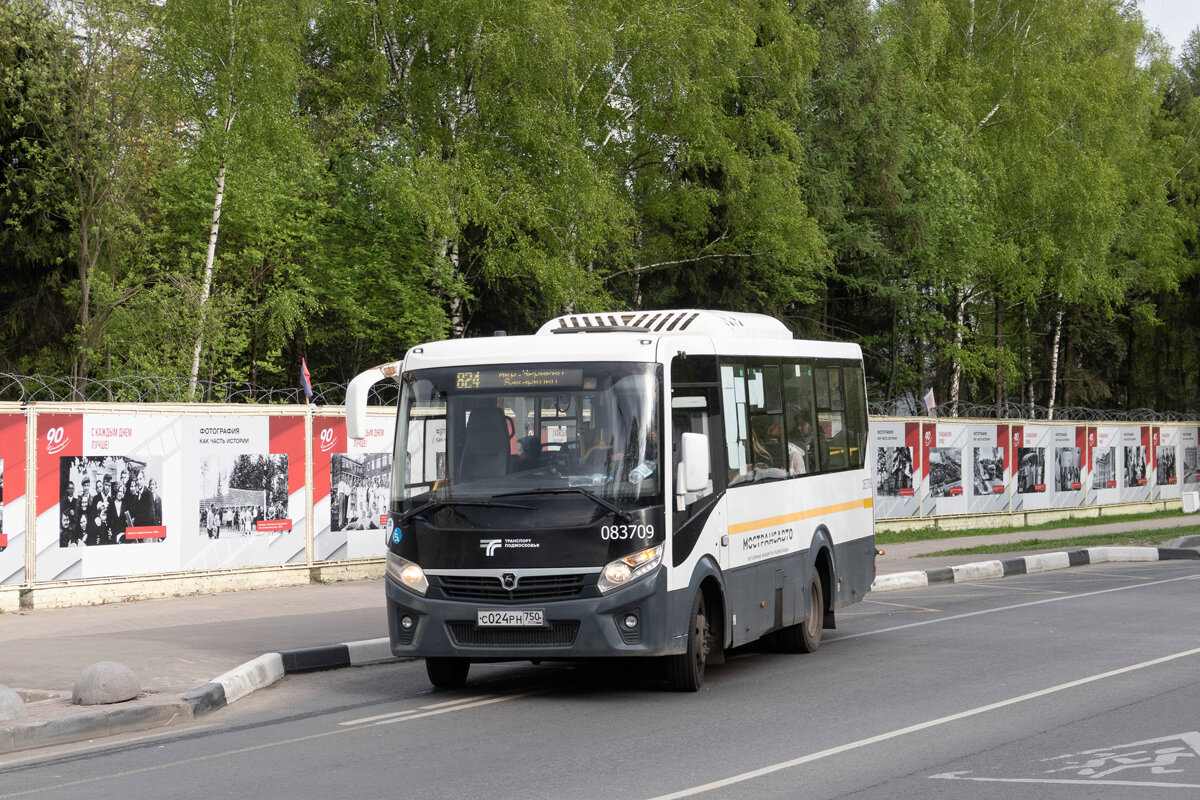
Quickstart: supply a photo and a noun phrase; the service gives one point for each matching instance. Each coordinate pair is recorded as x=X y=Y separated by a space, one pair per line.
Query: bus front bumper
x=581 y=628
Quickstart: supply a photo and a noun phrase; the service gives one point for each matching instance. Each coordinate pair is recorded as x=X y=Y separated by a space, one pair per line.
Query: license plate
x=512 y=618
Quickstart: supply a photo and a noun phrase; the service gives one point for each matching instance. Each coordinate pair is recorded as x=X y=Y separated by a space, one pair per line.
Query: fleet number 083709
x=611 y=533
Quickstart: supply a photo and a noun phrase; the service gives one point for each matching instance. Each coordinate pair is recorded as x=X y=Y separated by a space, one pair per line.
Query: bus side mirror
x=356 y=397
x=693 y=464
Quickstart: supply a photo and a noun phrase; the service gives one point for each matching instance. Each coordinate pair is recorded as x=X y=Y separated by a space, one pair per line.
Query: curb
x=1024 y=565
x=270 y=667
x=222 y=690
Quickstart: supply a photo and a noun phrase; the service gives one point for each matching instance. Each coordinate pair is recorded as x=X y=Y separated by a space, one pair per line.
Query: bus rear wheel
x=805 y=636
x=685 y=672
x=447 y=672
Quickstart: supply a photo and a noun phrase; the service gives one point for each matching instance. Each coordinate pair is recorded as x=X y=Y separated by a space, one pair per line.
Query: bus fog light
x=628 y=569
x=631 y=621
x=407 y=622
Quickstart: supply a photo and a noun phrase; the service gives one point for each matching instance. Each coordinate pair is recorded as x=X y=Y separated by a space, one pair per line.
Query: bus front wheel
x=447 y=672
x=685 y=672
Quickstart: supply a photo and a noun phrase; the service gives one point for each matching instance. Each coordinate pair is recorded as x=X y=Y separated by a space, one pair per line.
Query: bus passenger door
x=694 y=409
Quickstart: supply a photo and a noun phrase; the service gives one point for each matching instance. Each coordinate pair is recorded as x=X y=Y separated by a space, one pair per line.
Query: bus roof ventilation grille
x=691 y=322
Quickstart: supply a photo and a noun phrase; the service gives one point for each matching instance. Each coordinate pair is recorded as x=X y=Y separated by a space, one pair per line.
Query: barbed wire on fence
x=902 y=407
x=162 y=389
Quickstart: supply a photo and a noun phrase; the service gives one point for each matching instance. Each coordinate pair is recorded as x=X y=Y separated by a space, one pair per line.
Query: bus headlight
x=407 y=574
x=628 y=569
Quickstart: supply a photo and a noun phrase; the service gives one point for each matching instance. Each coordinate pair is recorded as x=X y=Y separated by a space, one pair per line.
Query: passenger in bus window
x=528 y=450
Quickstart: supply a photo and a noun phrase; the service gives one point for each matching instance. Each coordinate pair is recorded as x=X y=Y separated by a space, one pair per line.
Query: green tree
x=85 y=115
x=233 y=68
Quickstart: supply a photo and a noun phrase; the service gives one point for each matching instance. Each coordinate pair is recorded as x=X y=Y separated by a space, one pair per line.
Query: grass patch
x=1151 y=538
x=924 y=534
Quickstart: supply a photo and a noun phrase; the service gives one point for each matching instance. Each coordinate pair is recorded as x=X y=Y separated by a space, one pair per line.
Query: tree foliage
x=999 y=199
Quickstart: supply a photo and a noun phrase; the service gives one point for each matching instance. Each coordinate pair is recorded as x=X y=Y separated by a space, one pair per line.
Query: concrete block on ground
x=105 y=682
x=11 y=704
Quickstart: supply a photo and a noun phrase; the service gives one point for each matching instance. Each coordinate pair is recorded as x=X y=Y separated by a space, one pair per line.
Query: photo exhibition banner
x=1189 y=446
x=352 y=481
x=135 y=494
x=1166 y=444
x=1136 y=471
x=942 y=468
x=986 y=462
x=12 y=497
x=897 y=450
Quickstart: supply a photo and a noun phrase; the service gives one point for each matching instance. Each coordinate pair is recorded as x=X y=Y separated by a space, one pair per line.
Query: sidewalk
x=178 y=645
x=907 y=556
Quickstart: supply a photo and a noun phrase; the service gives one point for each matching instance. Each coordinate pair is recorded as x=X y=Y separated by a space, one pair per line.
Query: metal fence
x=158 y=389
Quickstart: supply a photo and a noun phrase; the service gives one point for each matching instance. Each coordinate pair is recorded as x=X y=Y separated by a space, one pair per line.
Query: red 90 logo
x=56 y=440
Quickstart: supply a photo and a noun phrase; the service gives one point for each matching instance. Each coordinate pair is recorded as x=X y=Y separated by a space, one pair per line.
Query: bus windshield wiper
x=623 y=514
x=433 y=505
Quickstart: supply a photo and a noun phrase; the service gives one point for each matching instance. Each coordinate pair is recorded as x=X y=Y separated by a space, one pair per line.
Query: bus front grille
x=530 y=588
x=557 y=635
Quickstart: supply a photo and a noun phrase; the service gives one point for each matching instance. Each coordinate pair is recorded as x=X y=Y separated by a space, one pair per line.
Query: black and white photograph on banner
x=1031 y=470
x=103 y=497
x=1135 y=466
x=1104 y=468
x=1164 y=465
x=1066 y=469
x=945 y=471
x=359 y=487
x=894 y=469
x=988 y=470
x=243 y=494
x=1191 y=465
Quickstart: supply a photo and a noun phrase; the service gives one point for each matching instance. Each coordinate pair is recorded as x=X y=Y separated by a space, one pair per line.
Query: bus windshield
x=508 y=432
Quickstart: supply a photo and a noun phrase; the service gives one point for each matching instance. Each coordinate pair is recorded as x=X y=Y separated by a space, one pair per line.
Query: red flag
x=305 y=380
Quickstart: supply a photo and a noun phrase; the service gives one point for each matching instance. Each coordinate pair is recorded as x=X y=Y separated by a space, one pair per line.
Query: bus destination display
x=519 y=379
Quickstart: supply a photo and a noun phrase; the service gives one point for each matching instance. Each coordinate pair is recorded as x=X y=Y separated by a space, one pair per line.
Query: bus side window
x=831 y=419
x=856 y=415
x=799 y=402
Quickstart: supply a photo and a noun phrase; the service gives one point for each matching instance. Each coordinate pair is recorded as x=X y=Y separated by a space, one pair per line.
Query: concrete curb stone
x=1024 y=565
x=255 y=674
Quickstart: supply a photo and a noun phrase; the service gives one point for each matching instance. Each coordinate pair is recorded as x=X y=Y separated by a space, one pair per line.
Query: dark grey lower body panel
x=854 y=562
x=582 y=628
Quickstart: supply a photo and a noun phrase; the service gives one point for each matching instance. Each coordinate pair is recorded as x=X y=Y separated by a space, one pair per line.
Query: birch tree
x=233 y=66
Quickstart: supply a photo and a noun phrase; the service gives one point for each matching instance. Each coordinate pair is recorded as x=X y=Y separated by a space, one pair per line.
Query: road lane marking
x=1165 y=755
x=477 y=703
x=883 y=737
x=439 y=708
x=410 y=711
x=1011 y=608
x=1076 y=782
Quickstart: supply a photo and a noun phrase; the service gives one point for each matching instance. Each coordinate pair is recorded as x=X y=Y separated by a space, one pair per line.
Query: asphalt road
x=1074 y=684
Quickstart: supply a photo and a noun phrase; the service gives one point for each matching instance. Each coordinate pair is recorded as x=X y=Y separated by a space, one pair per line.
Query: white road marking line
x=242 y=750
x=411 y=711
x=1078 y=782
x=1010 y=608
x=883 y=737
x=476 y=704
